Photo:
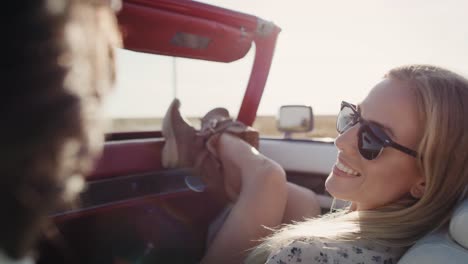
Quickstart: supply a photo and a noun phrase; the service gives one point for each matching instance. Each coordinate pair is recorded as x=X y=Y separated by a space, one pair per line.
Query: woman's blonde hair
x=442 y=100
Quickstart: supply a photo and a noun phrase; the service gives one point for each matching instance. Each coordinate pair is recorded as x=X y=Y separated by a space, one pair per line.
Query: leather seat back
x=449 y=245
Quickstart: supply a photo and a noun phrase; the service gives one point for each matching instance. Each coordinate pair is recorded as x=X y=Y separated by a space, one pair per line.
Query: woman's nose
x=347 y=141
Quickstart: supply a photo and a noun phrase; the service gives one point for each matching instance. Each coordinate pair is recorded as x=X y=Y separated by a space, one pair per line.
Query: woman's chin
x=340 y=188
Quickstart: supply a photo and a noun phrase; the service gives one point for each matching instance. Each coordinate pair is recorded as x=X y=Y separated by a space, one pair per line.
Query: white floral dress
x=333 y=252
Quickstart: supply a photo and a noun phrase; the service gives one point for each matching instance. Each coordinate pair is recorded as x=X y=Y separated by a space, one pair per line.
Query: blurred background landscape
x=327 y=52
x=324 y=126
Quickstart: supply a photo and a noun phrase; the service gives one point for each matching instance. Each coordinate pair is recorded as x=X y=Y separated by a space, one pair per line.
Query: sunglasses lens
x=370 y=146
x=346 y=119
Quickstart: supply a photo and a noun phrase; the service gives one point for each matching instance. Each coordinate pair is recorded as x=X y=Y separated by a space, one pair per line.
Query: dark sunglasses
x=371 y=137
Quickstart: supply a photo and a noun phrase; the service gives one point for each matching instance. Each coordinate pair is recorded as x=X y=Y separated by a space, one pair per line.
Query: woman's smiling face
x=393 y=174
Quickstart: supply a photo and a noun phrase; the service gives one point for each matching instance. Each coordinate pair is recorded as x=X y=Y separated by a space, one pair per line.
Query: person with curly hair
x=57 y=64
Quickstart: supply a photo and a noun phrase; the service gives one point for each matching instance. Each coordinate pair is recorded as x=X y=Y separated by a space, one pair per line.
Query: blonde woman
x=401 y=163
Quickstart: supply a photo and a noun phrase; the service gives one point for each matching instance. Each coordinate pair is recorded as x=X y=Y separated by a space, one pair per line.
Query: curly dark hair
x=57 y=63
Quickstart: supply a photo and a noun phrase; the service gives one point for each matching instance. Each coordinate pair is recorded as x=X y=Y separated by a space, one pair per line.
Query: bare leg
x=261 y=201
x=262 y=198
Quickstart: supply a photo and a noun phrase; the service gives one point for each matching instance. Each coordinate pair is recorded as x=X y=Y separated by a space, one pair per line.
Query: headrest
x=459 y=224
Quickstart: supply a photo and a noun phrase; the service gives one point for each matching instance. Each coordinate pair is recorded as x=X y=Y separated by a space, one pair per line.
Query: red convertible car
x=135 y=211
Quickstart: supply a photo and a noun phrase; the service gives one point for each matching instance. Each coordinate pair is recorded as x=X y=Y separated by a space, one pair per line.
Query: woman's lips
x=338 y=172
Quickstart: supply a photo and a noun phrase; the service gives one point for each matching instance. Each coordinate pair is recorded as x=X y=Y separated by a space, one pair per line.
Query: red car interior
x=133 y=210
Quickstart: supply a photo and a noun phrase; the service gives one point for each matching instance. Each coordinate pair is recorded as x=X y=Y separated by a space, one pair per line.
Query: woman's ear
x=418 y=189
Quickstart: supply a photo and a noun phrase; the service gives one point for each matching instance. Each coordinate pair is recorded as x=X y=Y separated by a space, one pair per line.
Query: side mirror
x=295 y=118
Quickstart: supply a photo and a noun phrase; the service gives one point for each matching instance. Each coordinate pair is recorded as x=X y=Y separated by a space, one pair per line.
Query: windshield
x=147 y=83
x=329 y=51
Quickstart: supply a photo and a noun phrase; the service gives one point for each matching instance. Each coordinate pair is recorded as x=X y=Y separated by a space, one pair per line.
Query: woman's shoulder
x=334 y=252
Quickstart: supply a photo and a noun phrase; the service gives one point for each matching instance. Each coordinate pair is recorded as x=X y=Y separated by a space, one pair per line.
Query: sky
x=327 y=51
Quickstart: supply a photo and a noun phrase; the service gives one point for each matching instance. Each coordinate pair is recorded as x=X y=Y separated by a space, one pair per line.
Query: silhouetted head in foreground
x=57 y=64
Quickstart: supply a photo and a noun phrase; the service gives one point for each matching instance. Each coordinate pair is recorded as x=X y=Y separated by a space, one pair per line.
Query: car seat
x=446 y=246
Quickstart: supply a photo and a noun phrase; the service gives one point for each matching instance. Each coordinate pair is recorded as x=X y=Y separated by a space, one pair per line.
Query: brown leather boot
x=213 y=125
x=186 y=147
x=182 y=144
x=217 y=121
